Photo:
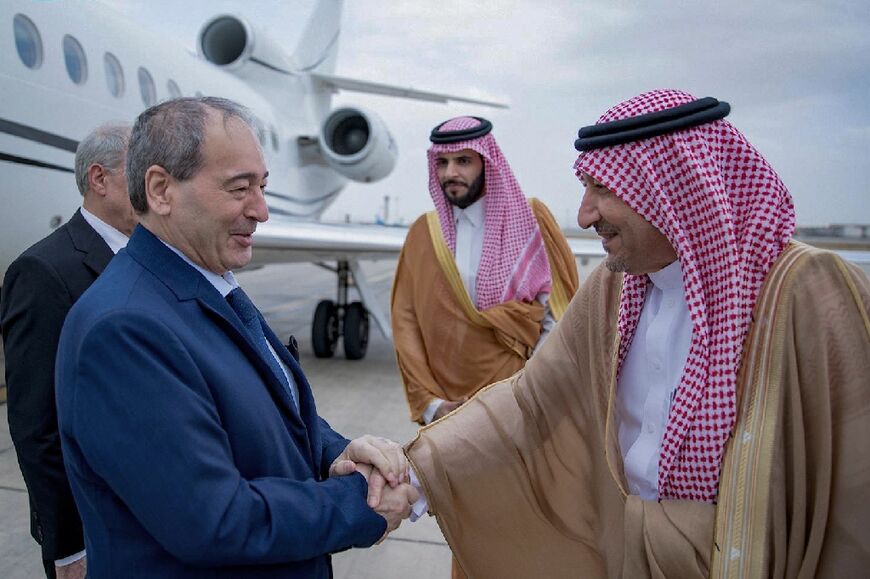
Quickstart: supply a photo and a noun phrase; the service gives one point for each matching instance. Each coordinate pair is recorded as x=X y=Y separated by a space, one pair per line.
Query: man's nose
x=257 y=208
x=452 y=170
x=588 y=214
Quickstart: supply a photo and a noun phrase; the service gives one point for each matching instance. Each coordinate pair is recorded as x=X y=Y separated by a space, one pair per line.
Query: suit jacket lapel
x=86 y=240
x=307 y=408
x=188 y=284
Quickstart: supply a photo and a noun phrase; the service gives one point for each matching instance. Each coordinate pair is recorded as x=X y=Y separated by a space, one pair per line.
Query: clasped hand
x=384 y=466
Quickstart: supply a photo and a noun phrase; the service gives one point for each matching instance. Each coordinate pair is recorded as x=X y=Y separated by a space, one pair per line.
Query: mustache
x=454 y=182
x=605 y=228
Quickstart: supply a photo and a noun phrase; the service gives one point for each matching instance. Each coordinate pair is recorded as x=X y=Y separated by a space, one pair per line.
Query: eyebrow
x=249 y=176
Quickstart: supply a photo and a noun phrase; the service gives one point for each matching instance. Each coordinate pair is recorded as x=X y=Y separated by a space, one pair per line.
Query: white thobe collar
x=474 y=213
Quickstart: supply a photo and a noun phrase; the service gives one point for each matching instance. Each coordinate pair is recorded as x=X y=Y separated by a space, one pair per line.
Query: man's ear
x=97 y=175
x=158 y=189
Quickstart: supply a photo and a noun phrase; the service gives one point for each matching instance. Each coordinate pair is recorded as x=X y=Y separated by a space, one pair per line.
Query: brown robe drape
x=526 y=479
x=445 y=347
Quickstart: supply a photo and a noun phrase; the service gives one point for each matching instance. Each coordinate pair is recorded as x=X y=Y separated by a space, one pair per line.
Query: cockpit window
x=28 y=43
x=146 y=87
x=75 y=60
x=172 y=87
x=114 y=75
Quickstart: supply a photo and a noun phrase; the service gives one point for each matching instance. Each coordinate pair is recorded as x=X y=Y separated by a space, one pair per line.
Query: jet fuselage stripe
x=33 y=163
x=37 y=135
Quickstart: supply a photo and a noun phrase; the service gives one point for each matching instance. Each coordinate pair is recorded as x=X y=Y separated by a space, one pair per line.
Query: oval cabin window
x=75 y=60
x=114 y=75
x=28 y=43
x=146 y=88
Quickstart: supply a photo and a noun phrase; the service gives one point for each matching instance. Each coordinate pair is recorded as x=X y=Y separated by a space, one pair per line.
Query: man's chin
x=615 y=264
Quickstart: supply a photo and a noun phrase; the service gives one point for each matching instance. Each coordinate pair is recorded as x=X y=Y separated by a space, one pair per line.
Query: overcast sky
x=796 y=74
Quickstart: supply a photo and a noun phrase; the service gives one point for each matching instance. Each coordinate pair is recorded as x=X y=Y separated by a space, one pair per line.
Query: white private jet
x=66 y=67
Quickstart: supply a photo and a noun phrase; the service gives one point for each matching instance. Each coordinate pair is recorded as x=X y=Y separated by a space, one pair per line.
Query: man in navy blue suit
x=190 y=436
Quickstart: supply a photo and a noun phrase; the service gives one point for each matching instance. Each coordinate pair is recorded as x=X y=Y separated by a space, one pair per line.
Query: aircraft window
x=173 y=89
x=274 y=136
x=261 y=133
x=146 y=87
x=114 y=75
x=75 y=60
x=27 y=41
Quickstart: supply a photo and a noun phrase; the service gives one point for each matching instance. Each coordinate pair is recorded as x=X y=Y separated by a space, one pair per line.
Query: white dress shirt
x=469 y=224
x=649 y=377
x=113 y=238
x=225 y=284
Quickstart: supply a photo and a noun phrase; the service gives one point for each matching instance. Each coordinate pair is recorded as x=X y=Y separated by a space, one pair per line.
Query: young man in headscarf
x=702 y=409
x=480 y=281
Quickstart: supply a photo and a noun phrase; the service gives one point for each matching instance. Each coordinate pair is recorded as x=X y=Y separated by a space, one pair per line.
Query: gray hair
x=171 y=135
x=106 y=145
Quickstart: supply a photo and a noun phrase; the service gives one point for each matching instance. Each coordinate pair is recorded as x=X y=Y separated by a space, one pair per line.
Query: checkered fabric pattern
x=513 y=264
x=729 y=216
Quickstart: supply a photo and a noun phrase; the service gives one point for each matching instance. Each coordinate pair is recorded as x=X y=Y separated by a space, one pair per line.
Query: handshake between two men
x=383 y=464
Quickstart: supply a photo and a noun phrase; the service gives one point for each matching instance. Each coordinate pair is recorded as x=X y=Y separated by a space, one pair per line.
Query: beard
x=475 y=192
x=614 y=263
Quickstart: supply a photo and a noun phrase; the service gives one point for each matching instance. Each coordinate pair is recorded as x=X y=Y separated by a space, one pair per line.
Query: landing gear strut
x=342 y=319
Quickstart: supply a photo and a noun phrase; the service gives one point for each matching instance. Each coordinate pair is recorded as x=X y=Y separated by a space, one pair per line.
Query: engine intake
x=357 y=144
x=231 y=42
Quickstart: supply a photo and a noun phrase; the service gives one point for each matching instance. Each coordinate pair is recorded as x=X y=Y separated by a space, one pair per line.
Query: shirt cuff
x=421 y=507
x=430 y=411
x=71 y=559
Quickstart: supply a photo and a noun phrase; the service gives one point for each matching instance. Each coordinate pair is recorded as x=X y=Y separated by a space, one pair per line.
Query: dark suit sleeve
x=332 y=444
x=145 y=422
x=35 y=303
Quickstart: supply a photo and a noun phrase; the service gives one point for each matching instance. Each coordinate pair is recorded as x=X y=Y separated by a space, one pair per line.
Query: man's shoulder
x=56 y=247
x=52 y=257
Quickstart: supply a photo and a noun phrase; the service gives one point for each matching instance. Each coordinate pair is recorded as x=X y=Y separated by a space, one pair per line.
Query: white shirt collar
x=222 y=283
x=474 y=213
x=113 y=238
x=669 y=277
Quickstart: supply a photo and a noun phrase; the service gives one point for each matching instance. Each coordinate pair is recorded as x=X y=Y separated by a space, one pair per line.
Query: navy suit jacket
x=186 y=455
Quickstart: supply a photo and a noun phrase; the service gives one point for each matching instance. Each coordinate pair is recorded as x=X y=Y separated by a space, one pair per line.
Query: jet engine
x=357 y=144
x=231 y=42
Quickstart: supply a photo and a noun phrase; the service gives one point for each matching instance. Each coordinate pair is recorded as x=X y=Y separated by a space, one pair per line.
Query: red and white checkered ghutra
x=728 y=216
x=513 y=263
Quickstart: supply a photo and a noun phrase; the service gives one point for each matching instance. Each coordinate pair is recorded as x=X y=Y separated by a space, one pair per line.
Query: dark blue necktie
x=248 y=314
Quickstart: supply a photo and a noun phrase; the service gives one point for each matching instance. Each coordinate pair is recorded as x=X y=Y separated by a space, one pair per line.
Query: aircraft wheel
x=324 y=329
x=356 y=331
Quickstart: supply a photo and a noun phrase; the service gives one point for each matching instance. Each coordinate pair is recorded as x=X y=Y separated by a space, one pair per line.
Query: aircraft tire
x=324 y=329
x=356 y=331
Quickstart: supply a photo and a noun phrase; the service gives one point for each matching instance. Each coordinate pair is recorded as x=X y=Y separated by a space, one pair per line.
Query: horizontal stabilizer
x=364 y=86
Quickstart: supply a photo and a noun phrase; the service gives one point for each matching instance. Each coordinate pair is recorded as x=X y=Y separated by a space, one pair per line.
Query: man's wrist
x=71 y=559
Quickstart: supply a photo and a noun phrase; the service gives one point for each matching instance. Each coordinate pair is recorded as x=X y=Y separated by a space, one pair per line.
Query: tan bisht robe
x=445 y=347
x=526 y=479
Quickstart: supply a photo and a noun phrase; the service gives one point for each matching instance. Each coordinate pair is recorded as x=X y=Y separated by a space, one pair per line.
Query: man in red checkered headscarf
x=703 y=407
x=481 y=280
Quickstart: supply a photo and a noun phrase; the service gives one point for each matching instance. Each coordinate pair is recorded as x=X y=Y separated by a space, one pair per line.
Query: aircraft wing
x=343 y=83
x=280 y=241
